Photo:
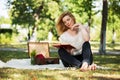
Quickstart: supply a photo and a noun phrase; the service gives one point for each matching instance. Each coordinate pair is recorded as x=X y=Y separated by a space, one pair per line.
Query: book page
x=64 y=45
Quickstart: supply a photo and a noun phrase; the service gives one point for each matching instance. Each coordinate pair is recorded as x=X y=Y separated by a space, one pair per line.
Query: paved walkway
x=13 y=49
x=55 y=50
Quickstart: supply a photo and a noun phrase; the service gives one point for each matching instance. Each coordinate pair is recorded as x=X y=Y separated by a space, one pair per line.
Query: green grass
x=111 y=61
x=19 y=45
x=7 y=55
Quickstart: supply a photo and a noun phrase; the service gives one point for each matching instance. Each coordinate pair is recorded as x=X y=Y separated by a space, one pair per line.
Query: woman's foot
x=92 y=67
x=84 y=66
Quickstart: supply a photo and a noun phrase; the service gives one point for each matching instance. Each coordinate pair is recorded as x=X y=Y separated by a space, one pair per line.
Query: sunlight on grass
x=19 y=74
x=107 y=76
x=16 y=76
x=110 y=61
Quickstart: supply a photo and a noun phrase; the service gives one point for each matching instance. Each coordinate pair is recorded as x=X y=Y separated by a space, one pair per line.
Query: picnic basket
x=42 y=48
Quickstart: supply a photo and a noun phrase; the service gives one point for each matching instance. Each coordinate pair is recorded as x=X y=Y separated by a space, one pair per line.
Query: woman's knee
x=86 y=45
x=60 y=51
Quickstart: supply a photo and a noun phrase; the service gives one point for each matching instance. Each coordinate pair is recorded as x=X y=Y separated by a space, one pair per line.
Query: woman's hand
x=85 y=34
x=85 y=31
x=75 y=26
x=70 y=50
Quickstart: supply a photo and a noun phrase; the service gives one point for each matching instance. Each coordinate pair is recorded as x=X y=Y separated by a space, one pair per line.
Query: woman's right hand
x=84 y=30
x=75 y=26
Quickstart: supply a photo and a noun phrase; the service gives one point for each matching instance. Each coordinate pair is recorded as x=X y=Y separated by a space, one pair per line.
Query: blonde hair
x=60 y=25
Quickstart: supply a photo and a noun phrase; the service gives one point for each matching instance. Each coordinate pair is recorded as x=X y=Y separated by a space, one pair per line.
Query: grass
x=15 y=74
x=111 y=61
x=7 y=55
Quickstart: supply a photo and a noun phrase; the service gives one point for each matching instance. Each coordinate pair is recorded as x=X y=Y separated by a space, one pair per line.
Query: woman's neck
x=72 y=32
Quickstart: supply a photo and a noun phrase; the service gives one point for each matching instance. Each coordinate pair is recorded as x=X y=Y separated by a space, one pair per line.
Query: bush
x=5 y=38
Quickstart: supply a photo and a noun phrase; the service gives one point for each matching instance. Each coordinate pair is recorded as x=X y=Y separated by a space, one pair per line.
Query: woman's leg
x=87 y=53
x=87 y=56
x=67 y=59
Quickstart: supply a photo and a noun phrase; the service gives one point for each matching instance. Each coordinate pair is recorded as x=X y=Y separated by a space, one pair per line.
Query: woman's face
x=68 y=21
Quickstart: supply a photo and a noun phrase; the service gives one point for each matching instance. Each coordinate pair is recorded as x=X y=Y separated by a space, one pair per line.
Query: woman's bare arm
x=85 y=33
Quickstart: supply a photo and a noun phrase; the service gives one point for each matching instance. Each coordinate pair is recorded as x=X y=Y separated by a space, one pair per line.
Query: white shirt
x=76 y=41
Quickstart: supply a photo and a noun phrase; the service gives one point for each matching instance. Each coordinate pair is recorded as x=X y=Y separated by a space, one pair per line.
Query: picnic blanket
x=25 y=64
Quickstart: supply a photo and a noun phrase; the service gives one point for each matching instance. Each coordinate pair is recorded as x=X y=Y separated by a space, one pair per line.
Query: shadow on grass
x=7 y=55
x=108 y=60
x=103 y=78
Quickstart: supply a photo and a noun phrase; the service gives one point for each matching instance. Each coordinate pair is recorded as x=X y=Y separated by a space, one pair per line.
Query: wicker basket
x=42 y=48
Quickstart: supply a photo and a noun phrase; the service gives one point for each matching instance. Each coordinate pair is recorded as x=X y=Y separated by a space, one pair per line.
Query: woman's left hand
x=70 y=50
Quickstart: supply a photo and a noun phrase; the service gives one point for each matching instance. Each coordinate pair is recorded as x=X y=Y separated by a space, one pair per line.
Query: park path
x=13 y=49
x=55 y=50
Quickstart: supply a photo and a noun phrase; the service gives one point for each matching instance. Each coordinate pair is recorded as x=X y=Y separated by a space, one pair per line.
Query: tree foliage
x=115 y=7
x=43 y=13
x=4 y=20
x=114 y=14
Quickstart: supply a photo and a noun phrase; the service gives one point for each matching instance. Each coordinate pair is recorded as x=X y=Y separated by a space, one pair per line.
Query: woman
x=78 y=36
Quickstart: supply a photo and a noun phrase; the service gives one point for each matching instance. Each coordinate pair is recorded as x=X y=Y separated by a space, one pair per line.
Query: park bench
x=44 y=49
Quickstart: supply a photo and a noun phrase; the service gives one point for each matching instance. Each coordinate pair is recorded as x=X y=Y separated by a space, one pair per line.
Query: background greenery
x=42 y=14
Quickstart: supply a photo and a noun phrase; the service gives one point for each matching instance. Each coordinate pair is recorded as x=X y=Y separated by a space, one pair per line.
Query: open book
x=64 y=45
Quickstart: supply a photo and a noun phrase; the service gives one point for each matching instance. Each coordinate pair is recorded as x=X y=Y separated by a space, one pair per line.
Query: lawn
x=109 y=61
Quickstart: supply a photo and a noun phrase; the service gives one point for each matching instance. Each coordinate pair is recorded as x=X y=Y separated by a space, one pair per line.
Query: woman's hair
x=60 y=25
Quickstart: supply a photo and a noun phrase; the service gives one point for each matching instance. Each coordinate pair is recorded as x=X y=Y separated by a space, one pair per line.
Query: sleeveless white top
x=76 y=41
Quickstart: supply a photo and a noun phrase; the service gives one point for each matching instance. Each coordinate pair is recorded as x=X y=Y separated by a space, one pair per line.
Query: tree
x=88 y=9
x=4 y=20
x=78 y=7
x=102 y=49
x=33 y=13
x=114 y=18
x=115 y=7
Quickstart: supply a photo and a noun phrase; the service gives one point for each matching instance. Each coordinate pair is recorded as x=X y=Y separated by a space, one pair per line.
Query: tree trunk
x=36 y=17
x=90 y=13
x=114 y=36
x=102 y=49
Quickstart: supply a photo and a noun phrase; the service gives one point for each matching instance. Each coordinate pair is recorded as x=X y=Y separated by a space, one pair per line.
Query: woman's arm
x=85 y=33
x=85 y=30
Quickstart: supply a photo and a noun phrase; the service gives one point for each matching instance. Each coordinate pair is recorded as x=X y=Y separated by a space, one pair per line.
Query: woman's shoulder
x=64 y=34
